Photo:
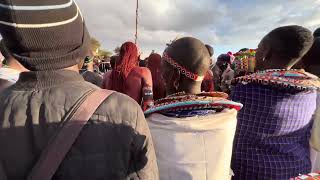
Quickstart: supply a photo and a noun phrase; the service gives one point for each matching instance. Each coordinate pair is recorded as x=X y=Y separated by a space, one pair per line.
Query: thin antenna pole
x=137 y=17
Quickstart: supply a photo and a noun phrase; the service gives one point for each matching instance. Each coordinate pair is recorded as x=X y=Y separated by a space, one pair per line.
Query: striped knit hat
x=43 y=35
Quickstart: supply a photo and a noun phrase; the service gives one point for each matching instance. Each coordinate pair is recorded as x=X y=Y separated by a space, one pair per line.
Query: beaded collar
x=287 y=79
x=182 y=69
x=216 y=101
x=311 y=176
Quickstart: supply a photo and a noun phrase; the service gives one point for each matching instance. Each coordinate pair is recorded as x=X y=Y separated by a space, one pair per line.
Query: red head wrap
x=154 y=64
x=128 y=60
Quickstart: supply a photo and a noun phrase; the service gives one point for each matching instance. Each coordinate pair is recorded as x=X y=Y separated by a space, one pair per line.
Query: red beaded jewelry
x=181 y=69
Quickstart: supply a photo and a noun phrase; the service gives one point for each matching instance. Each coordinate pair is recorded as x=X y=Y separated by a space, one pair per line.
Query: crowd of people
x=249 y=115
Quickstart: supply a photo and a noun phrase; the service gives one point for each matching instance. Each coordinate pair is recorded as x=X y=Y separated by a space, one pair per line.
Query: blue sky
x=228 y=25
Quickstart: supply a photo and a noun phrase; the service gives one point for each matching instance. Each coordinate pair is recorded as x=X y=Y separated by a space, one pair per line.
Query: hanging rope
x=137 y=17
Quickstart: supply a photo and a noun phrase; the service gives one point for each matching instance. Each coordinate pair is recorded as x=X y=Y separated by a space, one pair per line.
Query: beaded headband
x=181 y=69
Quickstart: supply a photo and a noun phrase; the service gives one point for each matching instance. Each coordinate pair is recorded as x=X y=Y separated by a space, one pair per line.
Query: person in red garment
x=154 y=64
x=129 y=78
x=207 y=83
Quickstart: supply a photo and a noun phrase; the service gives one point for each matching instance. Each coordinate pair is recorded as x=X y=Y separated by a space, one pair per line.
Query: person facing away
x=192 y=131
x=129 y=78
x=154 y=65
x=10 y=71
x=89 y=75
x=114 y=144
x=223 y=74
x=311 y=63
x=316 y=33
x=273 y=131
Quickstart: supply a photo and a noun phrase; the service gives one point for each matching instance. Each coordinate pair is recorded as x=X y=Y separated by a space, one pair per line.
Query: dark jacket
x=4 y=84
x=93 y=78
x=114 y=145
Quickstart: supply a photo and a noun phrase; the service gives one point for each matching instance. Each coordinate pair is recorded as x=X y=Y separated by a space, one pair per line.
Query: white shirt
x=194 y=148
x=9 y=74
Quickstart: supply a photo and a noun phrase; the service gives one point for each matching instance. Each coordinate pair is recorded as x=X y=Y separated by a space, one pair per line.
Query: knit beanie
x=43 y=35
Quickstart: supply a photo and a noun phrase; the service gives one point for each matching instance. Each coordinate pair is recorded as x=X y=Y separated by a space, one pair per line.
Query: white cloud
x=224 y=23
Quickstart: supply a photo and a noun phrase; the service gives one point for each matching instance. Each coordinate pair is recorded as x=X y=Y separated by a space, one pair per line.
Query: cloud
x=226 y=24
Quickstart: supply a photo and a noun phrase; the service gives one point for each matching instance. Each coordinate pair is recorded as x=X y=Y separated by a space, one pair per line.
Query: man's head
x=283 y=47
x=43 y=35
x=311 y=61
x=143 y=63
x=184 y=64
x=154 y=62
x=128 y=58
x=210 y=49
x=223 y=61
x=113 y=61
x=316 y=33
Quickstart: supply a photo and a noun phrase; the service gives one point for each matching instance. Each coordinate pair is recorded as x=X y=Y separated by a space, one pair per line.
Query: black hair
x=316 y=33
x=143 y=63
x=313 y=55
x=243 y=50
x=223 y=61
x=210 y=50
x=190 y=53
x=113 y=60
x=289 y=42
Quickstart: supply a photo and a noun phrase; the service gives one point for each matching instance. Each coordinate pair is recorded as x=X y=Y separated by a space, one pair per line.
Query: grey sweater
x=115 y=144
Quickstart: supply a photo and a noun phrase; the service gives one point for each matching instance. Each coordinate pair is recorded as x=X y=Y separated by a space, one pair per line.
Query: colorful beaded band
x=294 y=79
x=181 y=69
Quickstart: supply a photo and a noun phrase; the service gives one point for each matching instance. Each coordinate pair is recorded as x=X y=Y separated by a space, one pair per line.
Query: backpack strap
x=52 y=156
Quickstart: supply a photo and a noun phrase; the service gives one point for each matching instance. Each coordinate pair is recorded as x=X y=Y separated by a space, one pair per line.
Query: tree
x=117 y=50
x=104 y=54
x=95 y=44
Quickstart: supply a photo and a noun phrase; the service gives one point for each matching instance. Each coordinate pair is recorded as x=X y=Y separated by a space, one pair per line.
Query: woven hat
x=43 y=35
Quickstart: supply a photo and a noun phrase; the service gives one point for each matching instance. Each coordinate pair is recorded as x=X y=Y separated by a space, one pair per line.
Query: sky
x=227 y=25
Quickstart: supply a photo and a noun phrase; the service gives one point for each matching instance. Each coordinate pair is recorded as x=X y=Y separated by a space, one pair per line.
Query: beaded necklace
x=188 y=102
x=281 y=78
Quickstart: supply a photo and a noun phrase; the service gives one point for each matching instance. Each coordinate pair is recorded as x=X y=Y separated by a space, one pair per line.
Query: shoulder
x=143 y=72
x=119 y=109
x=142 y=69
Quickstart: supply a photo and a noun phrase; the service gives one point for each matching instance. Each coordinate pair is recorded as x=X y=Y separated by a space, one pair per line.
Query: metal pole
x=137 y=16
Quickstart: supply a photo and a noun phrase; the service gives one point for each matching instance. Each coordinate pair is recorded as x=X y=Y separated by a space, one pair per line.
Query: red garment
x=128 y=60
x=130 y=79
x=207 y=84
x=154 y=64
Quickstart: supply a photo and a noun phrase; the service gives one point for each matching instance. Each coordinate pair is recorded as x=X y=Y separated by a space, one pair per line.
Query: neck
x=14 y=64
x=187 y=87
x=73 y=68
x=191 y=89
x=90 y=67
x=278 y=62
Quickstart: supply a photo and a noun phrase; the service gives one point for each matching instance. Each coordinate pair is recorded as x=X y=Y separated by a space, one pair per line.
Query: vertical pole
x=137 y=16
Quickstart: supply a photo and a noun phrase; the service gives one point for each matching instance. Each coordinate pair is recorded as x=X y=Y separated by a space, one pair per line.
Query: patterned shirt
x=272 y=137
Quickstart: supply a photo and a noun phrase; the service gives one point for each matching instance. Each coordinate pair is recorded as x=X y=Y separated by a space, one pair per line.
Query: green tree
x=104 y=54
x=95 y=44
